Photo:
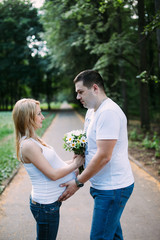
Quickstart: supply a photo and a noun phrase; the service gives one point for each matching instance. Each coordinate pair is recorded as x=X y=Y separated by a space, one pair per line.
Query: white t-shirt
x=109 y=122
x=45 y=190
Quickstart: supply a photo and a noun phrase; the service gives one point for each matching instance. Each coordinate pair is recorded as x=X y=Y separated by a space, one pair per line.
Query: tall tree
x=64 y=41
x=103 y=35
x=144 y=104
x=19 y=29
x=157 y=10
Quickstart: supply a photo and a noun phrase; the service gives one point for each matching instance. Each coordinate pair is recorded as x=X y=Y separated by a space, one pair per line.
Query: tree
x=144 y=105
x=19 y=28
x=157 y=10
x=68 y=57
x=106 y=36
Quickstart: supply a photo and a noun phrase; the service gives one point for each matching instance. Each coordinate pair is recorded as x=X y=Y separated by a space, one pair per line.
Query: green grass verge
x=82 y=111
x=6 y=124
x=8 y=160
x=53 y=105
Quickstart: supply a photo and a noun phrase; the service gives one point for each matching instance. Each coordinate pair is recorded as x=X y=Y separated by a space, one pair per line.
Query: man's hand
x=71 y=188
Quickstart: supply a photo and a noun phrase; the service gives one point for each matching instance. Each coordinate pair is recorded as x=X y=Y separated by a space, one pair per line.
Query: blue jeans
x=108 y=208
x=47 y=218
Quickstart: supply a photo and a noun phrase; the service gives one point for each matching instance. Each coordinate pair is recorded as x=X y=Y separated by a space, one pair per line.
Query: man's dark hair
x=89 y=77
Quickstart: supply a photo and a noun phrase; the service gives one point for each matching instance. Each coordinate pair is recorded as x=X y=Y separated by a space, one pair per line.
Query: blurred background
x=45 y=44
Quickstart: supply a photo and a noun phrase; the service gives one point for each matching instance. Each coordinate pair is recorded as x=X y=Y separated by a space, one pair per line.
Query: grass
x=148 y=140
x=53 y=105
x=8 y=160
x=6 y=124
x=81 y=110
x=145 y=146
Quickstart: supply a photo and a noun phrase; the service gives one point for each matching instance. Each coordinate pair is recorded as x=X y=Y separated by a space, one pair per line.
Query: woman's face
x=39 y=117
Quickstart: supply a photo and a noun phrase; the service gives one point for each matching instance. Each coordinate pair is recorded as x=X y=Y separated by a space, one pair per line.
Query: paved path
x=140 y=221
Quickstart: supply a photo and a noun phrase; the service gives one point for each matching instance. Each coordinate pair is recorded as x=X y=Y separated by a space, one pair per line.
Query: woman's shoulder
x=29 y=144
x=29 y=150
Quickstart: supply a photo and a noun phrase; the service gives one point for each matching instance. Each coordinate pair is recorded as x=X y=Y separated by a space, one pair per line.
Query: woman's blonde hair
x=24 y=113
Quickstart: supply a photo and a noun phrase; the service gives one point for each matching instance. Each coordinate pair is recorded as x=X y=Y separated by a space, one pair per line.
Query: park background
x=43 y=49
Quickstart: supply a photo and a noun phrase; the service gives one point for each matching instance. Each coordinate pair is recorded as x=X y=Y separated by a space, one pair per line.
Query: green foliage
x=6 y=124
x=145 y=77
x=63 y=36
x=53 y=105
x=101 y=35
x=105 y=4
x=72 y=30
x=20 y=31
x=81 y=110
x=86 y=34
x=153 y=143
x=134 y=135
x=8 y=161
x=154 y=24
x=75 y=141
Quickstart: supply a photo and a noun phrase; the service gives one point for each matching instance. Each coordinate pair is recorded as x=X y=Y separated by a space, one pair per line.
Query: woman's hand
x=76 y=172
x=79 y=160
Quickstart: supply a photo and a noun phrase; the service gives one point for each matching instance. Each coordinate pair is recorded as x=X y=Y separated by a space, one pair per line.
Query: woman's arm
x=69 y=161
x=32 y=153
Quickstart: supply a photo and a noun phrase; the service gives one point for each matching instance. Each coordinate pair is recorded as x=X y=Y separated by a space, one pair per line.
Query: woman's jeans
x=47 y=218
x=108 y=208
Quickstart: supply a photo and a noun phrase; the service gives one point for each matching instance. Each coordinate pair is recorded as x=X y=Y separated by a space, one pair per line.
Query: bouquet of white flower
x=75 y=141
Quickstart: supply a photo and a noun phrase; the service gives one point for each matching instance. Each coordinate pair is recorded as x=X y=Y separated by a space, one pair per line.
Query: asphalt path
x=140 y=220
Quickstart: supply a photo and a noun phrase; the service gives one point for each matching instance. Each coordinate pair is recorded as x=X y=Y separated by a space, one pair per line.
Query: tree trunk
x=157 y=8
x=49 y=89
x=121 y=68
x=144 y=102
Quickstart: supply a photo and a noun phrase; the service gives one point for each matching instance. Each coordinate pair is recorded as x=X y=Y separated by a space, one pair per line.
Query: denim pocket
x=35 y=212
x=125 y=195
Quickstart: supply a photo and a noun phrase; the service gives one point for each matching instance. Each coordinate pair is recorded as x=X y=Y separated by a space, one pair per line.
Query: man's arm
x=100 y=159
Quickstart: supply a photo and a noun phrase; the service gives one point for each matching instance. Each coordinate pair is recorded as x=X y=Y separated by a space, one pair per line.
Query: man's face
x=85 y=95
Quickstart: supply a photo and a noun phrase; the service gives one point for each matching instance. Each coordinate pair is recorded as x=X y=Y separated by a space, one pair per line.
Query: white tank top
x=45 y=190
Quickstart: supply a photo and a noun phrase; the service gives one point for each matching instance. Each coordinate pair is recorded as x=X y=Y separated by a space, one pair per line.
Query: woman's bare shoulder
x=29 y=145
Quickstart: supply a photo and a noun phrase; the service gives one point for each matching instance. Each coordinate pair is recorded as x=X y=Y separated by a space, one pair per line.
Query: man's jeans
x=47 y=218
x=108 y=208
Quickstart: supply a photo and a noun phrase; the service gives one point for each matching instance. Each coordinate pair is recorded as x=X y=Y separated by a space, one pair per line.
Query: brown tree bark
x=144 y=101
x=157 y=8
x=121 y=69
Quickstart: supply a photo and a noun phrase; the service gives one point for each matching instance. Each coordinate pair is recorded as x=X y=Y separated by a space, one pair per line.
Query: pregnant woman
x=45 y=168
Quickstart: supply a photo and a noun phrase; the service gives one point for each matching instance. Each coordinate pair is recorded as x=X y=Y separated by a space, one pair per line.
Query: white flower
x=73 y=144
x=69 y=138
x=83 y=140
x=75 y=141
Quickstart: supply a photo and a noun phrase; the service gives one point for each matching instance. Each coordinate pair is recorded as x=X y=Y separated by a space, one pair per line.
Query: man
x=106 y=157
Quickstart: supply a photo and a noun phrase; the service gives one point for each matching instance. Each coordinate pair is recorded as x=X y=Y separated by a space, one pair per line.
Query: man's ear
x=95 y=87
